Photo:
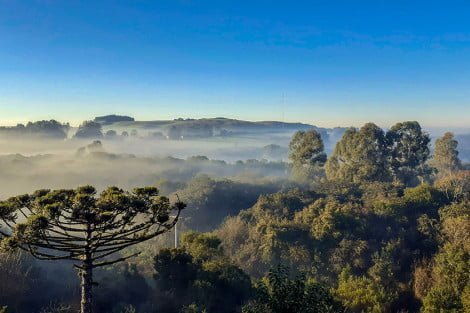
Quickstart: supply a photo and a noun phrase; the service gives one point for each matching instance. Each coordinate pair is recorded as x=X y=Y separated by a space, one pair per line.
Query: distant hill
x=217 y=124
x=211 y=127
x=217 y=121
x=109 y=119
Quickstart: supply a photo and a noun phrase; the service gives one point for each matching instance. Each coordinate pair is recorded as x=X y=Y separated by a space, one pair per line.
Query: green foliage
x=190 y=283
x=409 y=148
x=370 y=155
x=446 y=157
x=329 y=218
x=89 y=230
x=179 y=274
x=450 y=271
x=456 y=187
x=48 y=210
x=203 y=246
x=451 y=276
x=277 y=293
x=210 y=200
x=465 y=299
x=362 y=294
x=263 y=235
x=379 y=231
x=360 y=156
x=121 y=287
x=442 y=300
x=307 y=155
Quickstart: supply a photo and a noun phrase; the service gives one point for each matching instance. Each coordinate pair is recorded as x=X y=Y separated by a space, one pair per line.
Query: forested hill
x=218 y=123
x=215 y=122
x=171 y=129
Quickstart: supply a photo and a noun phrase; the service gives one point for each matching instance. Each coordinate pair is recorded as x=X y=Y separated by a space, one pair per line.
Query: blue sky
x=327 y=63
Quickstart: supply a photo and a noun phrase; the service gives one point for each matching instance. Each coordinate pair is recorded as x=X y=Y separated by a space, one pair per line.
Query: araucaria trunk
x=86 y=285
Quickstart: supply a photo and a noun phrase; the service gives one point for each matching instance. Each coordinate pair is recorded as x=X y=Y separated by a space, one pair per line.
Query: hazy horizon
x=433 y=130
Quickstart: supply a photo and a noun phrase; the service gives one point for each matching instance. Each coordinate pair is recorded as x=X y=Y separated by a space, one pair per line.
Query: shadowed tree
x=446 y=157
x=307 y=154
x=277 y=293
x=409 y=147
x=78 y=225
x=360 y=155
x=111 y=133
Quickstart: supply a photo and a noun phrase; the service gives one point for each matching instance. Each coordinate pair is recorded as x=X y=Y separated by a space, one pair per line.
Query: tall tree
x=409 y=146
x=446 y=157
x=360 y=155
x=307 y=154
x=78 y=225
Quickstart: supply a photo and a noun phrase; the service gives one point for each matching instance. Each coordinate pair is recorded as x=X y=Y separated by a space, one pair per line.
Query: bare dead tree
x=86 y=228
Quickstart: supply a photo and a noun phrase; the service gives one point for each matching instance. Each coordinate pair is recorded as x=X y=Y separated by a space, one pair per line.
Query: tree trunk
x=86 y=286
x=86 y=275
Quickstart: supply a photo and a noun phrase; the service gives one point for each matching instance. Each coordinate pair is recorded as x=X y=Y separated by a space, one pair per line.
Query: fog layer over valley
x=115 y=150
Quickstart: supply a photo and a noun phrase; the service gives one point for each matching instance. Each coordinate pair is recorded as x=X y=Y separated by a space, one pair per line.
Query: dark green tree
x=174 y=271
x=199 y=278
x=90 y=230
x=409 y=151
x=211 y=200
x=360 y=156
x=362 y=294
x=307 y=154
x=277 y=293
x=450 y=274
x=446 y=157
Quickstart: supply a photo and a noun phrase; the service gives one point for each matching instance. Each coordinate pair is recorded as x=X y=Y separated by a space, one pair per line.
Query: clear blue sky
x=322 y=62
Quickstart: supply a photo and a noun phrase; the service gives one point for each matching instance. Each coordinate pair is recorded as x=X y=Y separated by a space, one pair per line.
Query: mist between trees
x=378 y=222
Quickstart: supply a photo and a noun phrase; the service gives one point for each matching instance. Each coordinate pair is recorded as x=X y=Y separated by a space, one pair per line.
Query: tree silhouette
x=78 y=225
x=446 y=156
x=307 y=153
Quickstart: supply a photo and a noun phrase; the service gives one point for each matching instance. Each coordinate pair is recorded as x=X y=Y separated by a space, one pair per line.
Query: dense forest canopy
x=379 y=224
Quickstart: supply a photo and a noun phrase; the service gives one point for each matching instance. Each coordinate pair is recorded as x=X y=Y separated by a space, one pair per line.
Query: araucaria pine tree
x=81 y=226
